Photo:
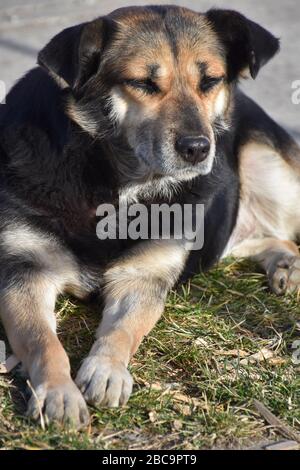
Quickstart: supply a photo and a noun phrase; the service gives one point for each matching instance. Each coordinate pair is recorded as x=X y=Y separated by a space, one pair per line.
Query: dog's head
x=159 y=79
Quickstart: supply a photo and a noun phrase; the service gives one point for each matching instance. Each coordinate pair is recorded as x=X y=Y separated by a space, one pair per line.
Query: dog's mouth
x=179 y=173
x=174 y=168
x=200 y=169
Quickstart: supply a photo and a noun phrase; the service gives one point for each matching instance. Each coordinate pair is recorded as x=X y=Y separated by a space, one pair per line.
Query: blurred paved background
x=26 y=25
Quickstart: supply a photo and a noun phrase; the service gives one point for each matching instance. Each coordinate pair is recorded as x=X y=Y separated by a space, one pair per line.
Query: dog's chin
x=192 y=171
x=178 y=172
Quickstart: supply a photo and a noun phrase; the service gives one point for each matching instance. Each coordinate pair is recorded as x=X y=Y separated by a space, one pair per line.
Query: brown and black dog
x=139 y=105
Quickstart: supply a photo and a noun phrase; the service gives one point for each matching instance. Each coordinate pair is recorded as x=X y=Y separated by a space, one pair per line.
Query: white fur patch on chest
x=163 y=187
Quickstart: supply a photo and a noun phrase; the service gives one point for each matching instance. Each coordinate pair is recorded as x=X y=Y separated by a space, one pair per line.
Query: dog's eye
x=207 y=83
x=147 y=86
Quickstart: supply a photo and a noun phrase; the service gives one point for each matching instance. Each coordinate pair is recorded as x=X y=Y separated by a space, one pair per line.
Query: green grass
x=194 y=386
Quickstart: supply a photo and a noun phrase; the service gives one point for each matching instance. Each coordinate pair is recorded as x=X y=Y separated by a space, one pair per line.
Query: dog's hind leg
x=269 y=215
x=136 y=290
x=280 y=259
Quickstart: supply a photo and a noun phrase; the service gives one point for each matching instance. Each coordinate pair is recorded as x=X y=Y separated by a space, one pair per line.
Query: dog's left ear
x=73 y=55
x=248 y=45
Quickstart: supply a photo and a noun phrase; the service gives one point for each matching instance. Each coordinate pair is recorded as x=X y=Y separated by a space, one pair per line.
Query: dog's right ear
x=73 y=55
x=248 y=45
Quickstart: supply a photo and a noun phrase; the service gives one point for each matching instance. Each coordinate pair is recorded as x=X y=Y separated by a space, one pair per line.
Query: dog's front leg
x=27 y=312
x=136 y=290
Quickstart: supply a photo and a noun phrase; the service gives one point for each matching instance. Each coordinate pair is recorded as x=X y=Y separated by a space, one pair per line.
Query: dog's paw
x=285 y=277
x=104 y=381
x=62 y=404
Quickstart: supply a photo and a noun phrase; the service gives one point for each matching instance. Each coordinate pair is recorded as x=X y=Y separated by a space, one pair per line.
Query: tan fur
x=270 y=194
x=58 y=266
x=136 y=288
x=59 y=80
x=139 y=276
x=27 y=312
x=178 y=79
x=78 y=115
x=262 y=248
x=269 y=214
x=28 y=317
x=153 y=260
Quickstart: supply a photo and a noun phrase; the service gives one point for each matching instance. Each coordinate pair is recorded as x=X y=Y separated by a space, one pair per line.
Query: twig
x=38 y=404
x=276 y=422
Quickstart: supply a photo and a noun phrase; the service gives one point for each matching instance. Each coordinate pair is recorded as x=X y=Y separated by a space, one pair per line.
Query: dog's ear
x=73 y=55
x=248 y=45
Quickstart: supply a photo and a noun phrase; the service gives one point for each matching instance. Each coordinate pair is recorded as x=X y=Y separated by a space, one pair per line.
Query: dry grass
x=196 y=374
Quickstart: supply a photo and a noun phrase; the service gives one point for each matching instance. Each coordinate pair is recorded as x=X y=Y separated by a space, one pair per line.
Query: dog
x=140 y=105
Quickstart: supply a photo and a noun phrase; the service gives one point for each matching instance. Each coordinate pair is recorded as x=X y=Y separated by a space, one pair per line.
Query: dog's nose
x=193 y=149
